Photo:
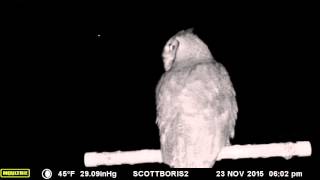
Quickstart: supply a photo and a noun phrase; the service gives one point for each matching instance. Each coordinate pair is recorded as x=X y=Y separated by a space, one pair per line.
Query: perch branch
x=286 y=150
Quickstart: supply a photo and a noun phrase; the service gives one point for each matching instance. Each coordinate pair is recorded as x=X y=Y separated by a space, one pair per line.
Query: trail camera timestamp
x=257 y=174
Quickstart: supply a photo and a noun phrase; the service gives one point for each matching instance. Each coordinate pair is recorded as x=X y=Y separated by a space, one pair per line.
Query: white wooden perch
x=286 y=150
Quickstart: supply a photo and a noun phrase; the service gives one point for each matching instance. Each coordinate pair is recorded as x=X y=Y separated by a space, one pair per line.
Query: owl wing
x=209 y=91
x=210 y=114
x=196 y=107
x=228 y=93
x=164 y=99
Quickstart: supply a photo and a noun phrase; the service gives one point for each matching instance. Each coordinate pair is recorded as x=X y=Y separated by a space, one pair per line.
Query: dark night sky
x=68 y=90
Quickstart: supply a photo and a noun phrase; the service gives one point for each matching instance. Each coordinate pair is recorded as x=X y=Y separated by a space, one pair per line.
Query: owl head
x=185 y=48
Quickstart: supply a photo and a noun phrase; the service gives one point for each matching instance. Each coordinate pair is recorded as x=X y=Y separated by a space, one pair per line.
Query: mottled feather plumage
x=196 y=105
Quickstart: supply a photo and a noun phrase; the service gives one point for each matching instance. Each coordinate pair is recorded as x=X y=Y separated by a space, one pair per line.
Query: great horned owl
x=196 y=104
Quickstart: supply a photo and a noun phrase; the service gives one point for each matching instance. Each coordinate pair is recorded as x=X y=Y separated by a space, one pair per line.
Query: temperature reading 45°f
x=66 y=173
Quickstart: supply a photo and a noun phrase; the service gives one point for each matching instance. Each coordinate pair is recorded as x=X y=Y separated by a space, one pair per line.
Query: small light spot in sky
x=98 y=35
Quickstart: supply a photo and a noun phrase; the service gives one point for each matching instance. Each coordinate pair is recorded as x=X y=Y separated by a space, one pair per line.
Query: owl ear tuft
x=190 y=30
x=184 y=32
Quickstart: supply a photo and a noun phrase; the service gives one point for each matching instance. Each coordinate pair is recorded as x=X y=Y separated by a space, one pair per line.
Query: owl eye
x=172 y=47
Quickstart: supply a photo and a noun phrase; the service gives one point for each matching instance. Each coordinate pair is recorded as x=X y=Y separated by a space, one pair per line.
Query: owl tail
x=201 y=153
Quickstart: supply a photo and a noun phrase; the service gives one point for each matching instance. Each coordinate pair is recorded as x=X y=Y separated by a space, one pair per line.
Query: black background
x=66 y=90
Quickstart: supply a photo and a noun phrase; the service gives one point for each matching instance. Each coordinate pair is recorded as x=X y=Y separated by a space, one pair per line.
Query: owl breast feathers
x=196 y=108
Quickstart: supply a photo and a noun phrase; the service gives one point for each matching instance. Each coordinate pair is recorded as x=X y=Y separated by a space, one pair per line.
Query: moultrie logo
x=14 y=173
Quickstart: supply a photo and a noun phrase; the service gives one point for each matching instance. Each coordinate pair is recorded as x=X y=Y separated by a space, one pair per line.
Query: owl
x=196 y=104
